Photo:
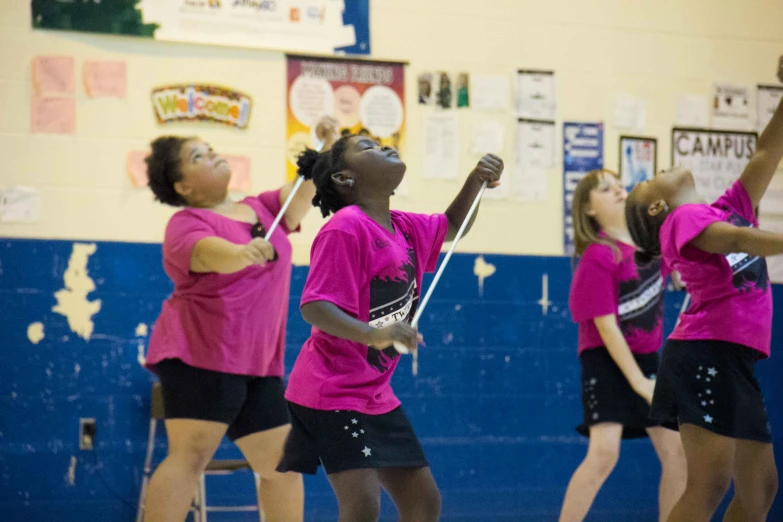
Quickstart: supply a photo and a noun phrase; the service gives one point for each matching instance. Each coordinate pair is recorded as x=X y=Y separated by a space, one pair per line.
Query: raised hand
x=489 y=169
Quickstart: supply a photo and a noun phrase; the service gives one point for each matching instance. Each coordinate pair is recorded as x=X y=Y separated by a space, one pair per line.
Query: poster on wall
x=534 y=96
x=366 y=98
x=732 y=107
x=444 y=90
x=535 y=143
x=534 y=155
x=201 y=103
x=767 y=100
x=306 y=26
x=629 y=112
x=490 y=92
x=20 y=204
x=583 y=151
x=716 y=158
x=638 y=160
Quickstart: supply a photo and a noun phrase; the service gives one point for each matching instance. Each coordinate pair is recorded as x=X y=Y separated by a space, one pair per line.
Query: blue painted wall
x=495 y=401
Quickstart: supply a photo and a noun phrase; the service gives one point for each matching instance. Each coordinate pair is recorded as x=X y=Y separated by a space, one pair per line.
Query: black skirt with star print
x=343 y=440
x=711 y=384
x=608 y=397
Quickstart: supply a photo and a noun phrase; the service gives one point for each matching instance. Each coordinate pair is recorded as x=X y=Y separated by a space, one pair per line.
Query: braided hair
x=319 y=167
x=644 y=228
x=164 y=169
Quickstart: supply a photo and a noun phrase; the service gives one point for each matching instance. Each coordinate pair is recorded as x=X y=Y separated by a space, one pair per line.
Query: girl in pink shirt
x=362 y=291
x=618 y=305
x=218 y=344
x=706 y=381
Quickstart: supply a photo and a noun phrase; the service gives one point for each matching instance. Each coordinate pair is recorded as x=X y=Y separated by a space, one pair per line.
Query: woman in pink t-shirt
x=362 y=291
x=706 y=381
x=618 y=305
x=219 y=342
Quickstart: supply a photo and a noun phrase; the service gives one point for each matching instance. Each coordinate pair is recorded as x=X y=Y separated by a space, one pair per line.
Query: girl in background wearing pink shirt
x=618 y=305
x=361 y=292
x=706 y=381
x=219 y=342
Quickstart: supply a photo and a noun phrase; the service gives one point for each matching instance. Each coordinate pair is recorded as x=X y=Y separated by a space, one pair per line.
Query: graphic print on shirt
x=393 y=298
x=750 y=272
x=641 y=306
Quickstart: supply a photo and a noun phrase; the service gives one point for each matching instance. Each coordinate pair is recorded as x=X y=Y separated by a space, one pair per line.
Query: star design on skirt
x=367 y=451
x=708 y=392
x=346 y=427
x=712 y=371
x=354 y=434
x=354 y=421
x=708 y=419
x=361 y=431
x=593 y=381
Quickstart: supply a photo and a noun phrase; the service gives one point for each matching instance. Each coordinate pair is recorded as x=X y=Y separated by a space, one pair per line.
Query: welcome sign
x=203 y=103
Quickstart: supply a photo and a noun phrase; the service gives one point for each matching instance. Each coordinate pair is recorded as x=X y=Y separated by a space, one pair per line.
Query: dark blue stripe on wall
x=495 y=402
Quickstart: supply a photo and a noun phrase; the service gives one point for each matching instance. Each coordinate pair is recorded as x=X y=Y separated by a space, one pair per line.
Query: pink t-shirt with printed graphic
x=375 y=276
x=604 y=284
x=232 y=323
x=731 y=297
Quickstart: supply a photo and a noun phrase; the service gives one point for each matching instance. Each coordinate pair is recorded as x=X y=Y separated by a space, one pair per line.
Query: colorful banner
x=365 y=97
x=306 y=26
x=716 y=158
x=583 y=151
x=201 y=103
x=638 y=160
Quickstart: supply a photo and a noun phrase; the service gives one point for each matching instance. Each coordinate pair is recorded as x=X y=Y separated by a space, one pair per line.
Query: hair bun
x=306 y=162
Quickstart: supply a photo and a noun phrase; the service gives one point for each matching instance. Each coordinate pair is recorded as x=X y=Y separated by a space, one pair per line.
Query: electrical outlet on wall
x=87 y=432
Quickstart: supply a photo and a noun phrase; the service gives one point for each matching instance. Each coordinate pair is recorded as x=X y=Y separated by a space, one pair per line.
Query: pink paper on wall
x=53 y=74
x=105 y=79
x=53 y=115
x=137 y=168
x=240 y=173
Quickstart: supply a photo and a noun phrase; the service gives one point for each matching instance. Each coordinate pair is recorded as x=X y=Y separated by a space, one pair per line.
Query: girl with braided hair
x=361 y=293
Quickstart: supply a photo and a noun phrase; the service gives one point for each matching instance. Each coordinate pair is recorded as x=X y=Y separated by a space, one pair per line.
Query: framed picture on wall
x=638 y=159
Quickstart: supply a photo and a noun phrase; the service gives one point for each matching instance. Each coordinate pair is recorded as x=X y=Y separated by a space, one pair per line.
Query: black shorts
x=343 y=440
x=711 y=384
x=246 y=403
x=607 y=395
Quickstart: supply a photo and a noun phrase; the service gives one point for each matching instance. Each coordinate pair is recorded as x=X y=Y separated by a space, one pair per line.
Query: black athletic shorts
x=342 y=440
x=246 y=403
x=607 y=395
x=711 y=384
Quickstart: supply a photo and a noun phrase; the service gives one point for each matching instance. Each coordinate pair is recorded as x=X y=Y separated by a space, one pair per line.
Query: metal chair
x=200 y=508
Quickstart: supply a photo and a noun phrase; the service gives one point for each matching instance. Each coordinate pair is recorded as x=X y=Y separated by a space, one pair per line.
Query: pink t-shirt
x=603 y=285
x=232 y=323
x=373 y=275
x=731 y=297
